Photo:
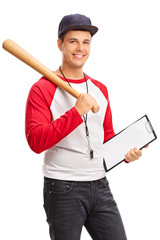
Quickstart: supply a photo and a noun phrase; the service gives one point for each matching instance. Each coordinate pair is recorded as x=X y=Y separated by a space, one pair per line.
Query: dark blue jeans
x=71 y=205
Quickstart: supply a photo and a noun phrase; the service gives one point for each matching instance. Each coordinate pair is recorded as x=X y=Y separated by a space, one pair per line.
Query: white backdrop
x=126 y=57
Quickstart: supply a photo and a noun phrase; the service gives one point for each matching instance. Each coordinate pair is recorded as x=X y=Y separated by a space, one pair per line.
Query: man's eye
x=86 y=42
x=72 y=41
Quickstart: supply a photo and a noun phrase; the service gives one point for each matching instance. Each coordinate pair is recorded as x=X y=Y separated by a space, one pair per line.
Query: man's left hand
x=133 y=154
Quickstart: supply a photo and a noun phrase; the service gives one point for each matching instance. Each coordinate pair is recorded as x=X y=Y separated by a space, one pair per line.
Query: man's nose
x=80 y=47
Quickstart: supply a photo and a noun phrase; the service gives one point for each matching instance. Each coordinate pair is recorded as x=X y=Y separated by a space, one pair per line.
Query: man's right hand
x=84 y=103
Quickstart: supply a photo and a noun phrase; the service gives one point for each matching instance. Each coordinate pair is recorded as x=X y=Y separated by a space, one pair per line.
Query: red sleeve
x=107 y=125
x=42 y=132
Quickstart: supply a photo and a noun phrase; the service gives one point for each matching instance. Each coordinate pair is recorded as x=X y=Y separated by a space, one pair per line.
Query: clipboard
x=138 y=134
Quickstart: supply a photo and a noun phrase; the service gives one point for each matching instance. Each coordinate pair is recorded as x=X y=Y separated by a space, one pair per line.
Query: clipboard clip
x=149 y=127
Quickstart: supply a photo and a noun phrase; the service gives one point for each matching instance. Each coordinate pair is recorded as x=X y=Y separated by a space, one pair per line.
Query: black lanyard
x=84 y=117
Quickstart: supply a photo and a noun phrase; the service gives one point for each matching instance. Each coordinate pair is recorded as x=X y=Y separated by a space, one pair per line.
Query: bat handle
x=95 y=108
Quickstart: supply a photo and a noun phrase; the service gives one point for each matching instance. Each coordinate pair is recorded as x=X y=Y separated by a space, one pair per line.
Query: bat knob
x=95 y=108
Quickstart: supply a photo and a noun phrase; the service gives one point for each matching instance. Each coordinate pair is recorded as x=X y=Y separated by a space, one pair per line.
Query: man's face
x=75 y=48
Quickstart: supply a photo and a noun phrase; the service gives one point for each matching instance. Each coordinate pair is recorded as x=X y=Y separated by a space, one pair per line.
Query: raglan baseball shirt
x=54 y=125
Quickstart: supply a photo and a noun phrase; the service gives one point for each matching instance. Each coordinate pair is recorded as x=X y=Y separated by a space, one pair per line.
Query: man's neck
x=70 y=73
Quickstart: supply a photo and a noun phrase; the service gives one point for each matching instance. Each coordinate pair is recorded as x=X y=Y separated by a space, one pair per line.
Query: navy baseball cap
x=76 y=22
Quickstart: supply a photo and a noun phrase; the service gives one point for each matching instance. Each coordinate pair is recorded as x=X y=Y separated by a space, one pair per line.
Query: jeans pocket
x=105 y=182
x=61 y=187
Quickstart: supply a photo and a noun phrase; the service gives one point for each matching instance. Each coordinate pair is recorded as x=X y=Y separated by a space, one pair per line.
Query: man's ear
x=59 y=43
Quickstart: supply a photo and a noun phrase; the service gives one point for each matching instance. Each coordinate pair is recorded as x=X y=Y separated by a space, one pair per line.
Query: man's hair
x=62 y=37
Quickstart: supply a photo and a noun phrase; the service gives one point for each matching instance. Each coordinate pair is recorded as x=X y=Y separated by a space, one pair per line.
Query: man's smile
x=79 y=56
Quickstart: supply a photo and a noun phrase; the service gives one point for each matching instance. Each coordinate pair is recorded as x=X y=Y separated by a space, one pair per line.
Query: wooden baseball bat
x=25 y=57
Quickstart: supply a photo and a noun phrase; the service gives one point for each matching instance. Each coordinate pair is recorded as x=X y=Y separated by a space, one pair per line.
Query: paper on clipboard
x=138 y=134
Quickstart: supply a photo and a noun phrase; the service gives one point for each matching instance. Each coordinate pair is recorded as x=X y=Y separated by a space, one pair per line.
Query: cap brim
x=91 y=29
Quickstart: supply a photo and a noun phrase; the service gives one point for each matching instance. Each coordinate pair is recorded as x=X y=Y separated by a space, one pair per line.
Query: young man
x=76 y=191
